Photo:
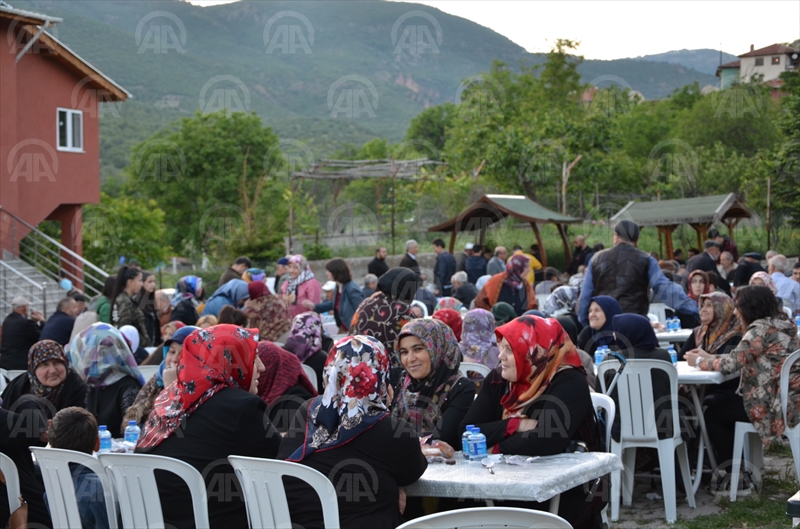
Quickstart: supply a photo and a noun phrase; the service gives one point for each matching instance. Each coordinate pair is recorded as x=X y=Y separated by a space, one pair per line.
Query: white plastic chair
x=489 y=517
x=793 y=434
x=746 y=443
x=148 y=372
x=265 y=496
x=311 y=374
x=14 y=373
x=137 y=491
x=3 y=380
x=659 y=310
x=638 y=429
x=605 y=403
x=473 y=366
x=9 y=469
x=61 y=496
x=788 y=311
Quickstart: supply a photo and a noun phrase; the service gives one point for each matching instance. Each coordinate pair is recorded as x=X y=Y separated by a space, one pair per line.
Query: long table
x=540 y=480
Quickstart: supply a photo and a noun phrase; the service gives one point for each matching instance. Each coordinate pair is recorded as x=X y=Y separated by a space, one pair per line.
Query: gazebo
x=700 y=213
x=490 y=209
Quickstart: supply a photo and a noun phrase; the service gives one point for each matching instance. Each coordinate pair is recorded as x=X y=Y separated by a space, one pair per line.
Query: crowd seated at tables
x=231 y=377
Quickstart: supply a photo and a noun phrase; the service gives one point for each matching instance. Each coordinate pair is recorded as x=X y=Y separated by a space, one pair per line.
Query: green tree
x=430 y=126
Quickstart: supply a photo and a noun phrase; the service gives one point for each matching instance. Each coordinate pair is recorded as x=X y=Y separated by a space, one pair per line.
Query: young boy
x=75 y=428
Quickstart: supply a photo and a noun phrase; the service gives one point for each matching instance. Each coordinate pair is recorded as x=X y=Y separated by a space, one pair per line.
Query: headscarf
x=541 y=349
x=422 y=306
x=503 y=313
x=400 y=284
x=561 y=301
x=267 y=312
x=452 y=318
x=306 y=335
x=478 y=343
x=234 y=291
x=101 y=356
x=722 y=328
x=516 y=271
x=356 y=381
x=305 y=273
x=40 y=353
x=282 y=370
x=421 y=402
x=705 y=278
x=382 y=317
x=448 y=303
x=178 y=336
x=610 y=306
x=131 y=336
x=481 y=282
x=767 y=279
x=187 y=287
x=633 y=331
x=212 y=359
x=257 y=289
x=254 y=274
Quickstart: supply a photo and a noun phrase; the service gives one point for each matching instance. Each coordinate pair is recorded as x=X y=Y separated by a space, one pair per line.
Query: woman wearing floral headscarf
x=101 y=357
x=434 y=397
x=538 y=404
x=478 y=343
x=452 y=318
x=763 y=279
x=266 y=312
x=217 y=385
x=301 y=286
x=449 y=303
x=510 y=287
x=347 y=433
x=188 y=292
x=49 y=376
x=308 y=343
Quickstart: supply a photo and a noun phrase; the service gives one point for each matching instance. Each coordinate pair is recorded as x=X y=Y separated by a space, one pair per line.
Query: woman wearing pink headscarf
x=301 y=286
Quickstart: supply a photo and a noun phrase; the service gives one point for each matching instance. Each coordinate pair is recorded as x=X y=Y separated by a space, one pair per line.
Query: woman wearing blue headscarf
x=233 y=293
x=188 y=291
x=601 y=311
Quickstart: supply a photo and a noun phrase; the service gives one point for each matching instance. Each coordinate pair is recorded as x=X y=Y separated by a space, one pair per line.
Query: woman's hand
x=694 y=355
x=170 y=375
x=527 y=424
x=401 y=503
x=307 y=303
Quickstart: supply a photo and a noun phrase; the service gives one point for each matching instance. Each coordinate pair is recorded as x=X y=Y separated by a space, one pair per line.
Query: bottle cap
x=103 y=427
x=131 y=423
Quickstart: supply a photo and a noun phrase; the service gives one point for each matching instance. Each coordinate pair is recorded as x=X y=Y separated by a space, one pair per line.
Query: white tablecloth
x=538 y=481
x=674 y=337
x=693 y=375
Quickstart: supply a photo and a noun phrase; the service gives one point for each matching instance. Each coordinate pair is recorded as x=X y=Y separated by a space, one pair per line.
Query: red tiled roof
x=732 y=64
x=774 y=49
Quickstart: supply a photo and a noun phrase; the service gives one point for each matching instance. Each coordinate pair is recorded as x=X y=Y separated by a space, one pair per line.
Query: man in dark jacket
x=59 y=326
x=19 y=334
x=580 y=254
x=463 y=290
x=706 y=261
x=475 y=267
x=235 y=270
x=378 y=266
x=410 y=258
x=750 y=264
x=444 y=268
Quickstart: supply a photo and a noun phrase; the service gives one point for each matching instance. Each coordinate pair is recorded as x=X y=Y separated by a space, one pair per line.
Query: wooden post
x=562 y=230
x=542 y=249
x=702 y=231
x=453 y=240
x=667 y=231
x=483 y=233
x=731 y=224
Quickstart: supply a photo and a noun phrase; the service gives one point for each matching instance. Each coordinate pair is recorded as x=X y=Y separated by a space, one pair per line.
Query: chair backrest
x=60 y=488
x=473 y=366
x=137 y=491
x=637 y=405
x=14 y=373
x=605 y=403
x=489 y=517
x=311 y=374
x=659 y=310
x=784 y=381
x=148 y=371
x=788 y=311
x=9 y=469
x=265 y=496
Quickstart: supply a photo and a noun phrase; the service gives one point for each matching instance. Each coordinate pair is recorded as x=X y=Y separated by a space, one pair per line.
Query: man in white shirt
x=788 y=289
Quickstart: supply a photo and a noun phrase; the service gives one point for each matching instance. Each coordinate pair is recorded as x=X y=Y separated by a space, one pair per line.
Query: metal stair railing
x=35 y=292
x=49 y=256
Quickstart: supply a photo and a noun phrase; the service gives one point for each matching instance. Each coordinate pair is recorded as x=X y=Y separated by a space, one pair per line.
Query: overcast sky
x=616 y=29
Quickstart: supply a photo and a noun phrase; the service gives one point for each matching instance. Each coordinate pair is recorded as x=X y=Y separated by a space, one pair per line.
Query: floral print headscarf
x=101 y=356
x=561 y=301
x=306 y=335
x=767 y=280
x=40 y=353
x=724 y=326
x=354 y=400
x=421 y=402
x=478 y=342
x=449 y=303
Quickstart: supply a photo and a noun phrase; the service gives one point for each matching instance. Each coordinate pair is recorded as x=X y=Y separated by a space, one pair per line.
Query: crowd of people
x=387 y=382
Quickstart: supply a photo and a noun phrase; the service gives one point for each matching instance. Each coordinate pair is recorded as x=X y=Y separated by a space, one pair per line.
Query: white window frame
x=69 y=148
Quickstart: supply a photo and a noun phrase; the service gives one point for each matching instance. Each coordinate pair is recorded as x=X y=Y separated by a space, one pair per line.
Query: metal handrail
x=42 y=287
x=20 y=274
x=57 y=264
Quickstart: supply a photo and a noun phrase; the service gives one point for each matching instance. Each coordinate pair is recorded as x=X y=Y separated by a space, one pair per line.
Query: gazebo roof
x=698 y=210
x=494 y=208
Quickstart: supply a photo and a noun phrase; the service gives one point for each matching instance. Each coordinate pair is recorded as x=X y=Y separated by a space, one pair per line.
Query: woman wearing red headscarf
x=210 y=412
x=510 y=286
x=537 y=403
x=451 y=318
x=283 y=385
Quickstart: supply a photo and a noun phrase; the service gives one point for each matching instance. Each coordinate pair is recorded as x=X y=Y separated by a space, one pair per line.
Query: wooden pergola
x=700 y=213
x=490 y=209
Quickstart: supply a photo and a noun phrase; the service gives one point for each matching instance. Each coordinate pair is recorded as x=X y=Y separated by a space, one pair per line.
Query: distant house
x=49 y=138
x=768 y=62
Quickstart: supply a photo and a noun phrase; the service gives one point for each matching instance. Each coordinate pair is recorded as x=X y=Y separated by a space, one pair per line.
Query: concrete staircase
x=18 y=278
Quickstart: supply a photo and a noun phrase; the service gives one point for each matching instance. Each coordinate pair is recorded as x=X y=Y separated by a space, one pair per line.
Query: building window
x=776 y=60
x=759 y=61
x=70 y=130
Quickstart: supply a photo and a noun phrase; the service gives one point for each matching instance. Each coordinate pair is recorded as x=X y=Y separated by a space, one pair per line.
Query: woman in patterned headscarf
x=348 y=435
x=453 y=320
x=478 y=343
x=101 y=356
x=266 y=312
x=283 y=385
x=510 y=287
x=188 y=292
x=434 y=397
x=308 y=343
x=538 y=404
x=449 y=303
x=49 y=376
x=301 y=286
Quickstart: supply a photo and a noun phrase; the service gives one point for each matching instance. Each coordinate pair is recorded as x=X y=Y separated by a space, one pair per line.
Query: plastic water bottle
x=677 y=323
x=797 y=322
x=105 y=439
x=477 y=445
x=673 y=356
x=132 y=432
x=671 y=325
x=599 y=355
x=465 y=440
